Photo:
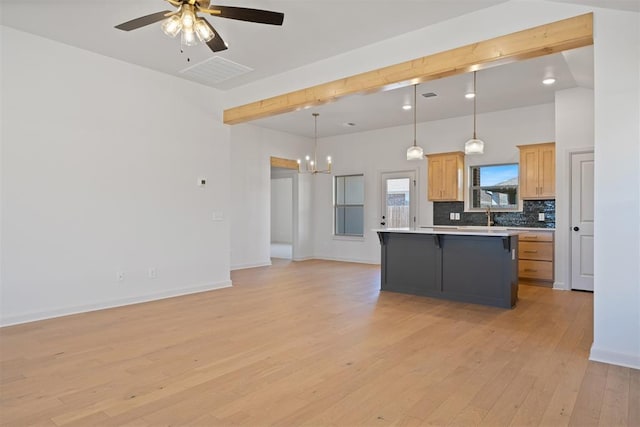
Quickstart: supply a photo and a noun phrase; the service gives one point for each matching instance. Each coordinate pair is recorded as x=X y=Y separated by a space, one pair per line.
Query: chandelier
x=311 y=165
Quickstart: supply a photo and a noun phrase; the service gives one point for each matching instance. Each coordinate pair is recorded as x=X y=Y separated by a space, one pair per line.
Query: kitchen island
x=477 y=265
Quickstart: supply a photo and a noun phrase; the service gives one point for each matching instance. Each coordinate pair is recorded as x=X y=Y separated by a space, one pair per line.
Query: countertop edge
x=496 y=233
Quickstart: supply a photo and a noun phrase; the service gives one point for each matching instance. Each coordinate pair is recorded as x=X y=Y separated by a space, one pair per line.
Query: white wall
x=384 y=150
x=574 y=132
x=99 y=175
x=617 y=178
x=251 y=149
x=616 y=99
x=282 y=210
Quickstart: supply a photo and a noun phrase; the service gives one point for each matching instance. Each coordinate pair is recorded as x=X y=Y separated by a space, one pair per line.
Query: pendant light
x=415 y=152
x=311 y=166
x=474 y=145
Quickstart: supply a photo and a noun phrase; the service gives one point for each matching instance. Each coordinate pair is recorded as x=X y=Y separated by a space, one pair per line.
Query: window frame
x=336 y=206
x=471 y=188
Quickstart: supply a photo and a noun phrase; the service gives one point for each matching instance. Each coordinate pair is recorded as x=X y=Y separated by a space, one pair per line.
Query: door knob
x=383 y=223
x=576 y=228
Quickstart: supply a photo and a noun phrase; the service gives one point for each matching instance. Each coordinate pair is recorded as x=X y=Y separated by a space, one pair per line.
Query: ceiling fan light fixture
x=188 y=18
x=172 y=26
x=189 y=37
x=203 y=31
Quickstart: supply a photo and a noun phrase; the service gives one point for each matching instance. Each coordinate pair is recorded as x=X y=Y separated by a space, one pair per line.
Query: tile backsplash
x=527 y=218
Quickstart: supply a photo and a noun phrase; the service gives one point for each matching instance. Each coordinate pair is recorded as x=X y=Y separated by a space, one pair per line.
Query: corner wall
x=99 y=175
x=250 y=186
x=574 y=133
x=617 y=178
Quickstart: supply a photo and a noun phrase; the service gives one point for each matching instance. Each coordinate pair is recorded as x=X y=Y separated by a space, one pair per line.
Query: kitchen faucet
x=488 y=212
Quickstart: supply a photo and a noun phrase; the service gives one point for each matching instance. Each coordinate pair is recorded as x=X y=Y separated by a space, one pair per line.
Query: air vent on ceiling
x=429 y=95
x=215 y=70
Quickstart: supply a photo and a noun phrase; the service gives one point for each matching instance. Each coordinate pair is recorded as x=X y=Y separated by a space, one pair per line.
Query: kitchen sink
x=480 y=227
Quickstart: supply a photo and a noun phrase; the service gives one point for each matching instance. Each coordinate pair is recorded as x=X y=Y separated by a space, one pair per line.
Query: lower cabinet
x=535 y=258
x=412 y=264
x=481 y=270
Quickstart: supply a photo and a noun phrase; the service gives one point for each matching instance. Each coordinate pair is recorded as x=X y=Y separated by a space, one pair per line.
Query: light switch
x=457 y=218
x=452 y=216
x=541 y=216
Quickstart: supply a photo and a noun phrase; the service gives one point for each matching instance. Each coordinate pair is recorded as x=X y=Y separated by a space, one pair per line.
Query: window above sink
x=494 y=187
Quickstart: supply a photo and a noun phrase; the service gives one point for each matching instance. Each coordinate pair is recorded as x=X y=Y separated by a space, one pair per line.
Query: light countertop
x=472 y=231
x=478 y=227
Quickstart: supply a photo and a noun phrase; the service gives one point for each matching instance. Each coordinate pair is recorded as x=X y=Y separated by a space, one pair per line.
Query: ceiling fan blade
x=245 y=14
x=143 y=21
x=216 y=44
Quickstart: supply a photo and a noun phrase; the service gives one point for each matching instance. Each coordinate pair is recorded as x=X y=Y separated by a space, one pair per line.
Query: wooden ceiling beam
x=545 y=39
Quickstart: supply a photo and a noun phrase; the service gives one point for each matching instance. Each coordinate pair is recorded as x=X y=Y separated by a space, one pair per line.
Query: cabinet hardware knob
x=576 y=228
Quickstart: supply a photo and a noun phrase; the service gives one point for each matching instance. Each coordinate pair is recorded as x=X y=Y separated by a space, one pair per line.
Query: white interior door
x=398 y=200
x=582 y=221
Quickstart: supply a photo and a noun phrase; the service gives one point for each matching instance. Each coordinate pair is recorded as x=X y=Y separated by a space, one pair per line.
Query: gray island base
x=469 y=266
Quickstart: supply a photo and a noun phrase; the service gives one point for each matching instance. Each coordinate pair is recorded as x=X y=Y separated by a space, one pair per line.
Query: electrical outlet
x=452 y=216
x=153 y=273
x=120 y=276
x=541 y=216
x=457 y=216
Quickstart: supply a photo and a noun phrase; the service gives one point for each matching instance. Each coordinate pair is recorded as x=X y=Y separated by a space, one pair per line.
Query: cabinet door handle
x=530 y=252
x=531 y=270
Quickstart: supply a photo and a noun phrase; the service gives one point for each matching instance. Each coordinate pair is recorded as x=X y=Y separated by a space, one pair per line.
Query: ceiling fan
x=185 y=20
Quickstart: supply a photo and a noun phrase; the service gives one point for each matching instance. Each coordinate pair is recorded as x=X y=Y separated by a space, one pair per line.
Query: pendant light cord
x=415 y=107
x=474 y=104
x=315 y=140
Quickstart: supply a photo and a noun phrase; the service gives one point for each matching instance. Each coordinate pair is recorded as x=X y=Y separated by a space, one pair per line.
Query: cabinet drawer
x=536 y=236
x=539 y=251
x=540 y=270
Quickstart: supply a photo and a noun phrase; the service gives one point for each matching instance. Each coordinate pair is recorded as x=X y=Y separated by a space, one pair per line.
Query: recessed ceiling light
x=549 y=81
x=406 y=107
x=470 y=95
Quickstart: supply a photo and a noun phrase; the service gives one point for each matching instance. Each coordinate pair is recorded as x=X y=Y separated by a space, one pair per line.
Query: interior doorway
x=283 y=172
x=582 y=209
x=281 y=216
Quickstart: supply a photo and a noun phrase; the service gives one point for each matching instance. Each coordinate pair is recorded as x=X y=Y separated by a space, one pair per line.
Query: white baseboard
x=251 y=265
x=66 y=311
x=613 y=358
x=303 y=258
x=560 y=286
x=359 y=261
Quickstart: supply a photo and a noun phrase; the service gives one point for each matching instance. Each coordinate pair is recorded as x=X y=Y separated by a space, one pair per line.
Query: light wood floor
x=316 y=343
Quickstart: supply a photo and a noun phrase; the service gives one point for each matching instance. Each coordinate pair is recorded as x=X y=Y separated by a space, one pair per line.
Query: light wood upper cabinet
x=446 y=176
x=538 y=171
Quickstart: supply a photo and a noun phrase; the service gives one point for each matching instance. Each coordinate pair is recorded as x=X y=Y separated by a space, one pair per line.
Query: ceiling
x=518 y=84
x=312 y=30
